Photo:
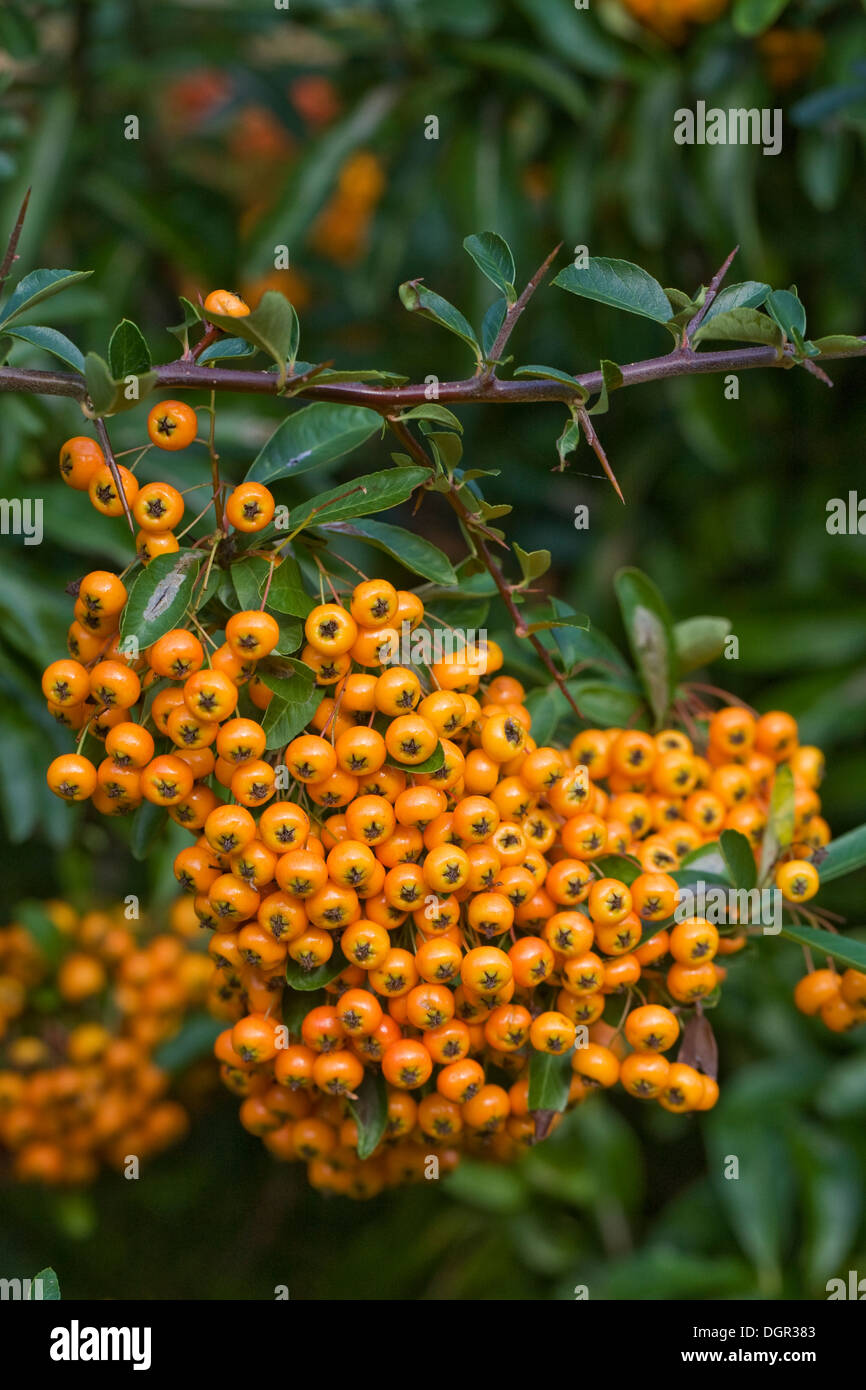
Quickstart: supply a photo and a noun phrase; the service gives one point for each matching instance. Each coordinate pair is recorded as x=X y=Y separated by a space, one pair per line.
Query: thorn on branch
x=515 y=310
x=815 y=370
x=595 y=444
x=12 y=245
x=712 y=290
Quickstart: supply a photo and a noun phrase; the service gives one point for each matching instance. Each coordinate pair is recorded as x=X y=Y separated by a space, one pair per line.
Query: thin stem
x=112 y=464
x=477 y=390
x=516 y=309
x=215 y=464
x=12 y=245
x=417 y=450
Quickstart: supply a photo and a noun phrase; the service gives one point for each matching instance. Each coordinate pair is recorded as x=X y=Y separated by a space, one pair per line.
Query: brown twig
x=505 y=590
x=516 y=309
x=712 y=290
x=595 y=444
x=478 y=390
x=105 y=442
x=12 y=245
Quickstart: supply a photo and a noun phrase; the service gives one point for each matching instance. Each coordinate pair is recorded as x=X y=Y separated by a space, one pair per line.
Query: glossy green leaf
x=619 y=284
x=779 y=832
x=738 y=856
x=370 y=1112
x=493 y=257
x=33 y=288
x=50 y=1286
x=287 y=593
x=407 y=547
x=841 y=946
x=308 y=980
x=128 y=353
x=740 y=326
x=491 y=324
x=308 y=438
x=549 y=1080
x=788 y=312
x=749 y=294
x=540 y=373
x=226 y=348
x=296 y=1004
x=160 y=597
x=147 y=824
x=272 y=327
x=844 y=855
x=374 y=492
x=419 y=300
x=698 y=641
x=50 y=340
x=650 y=634
x=622 y=867
x=605 y=705
x=193 y=1043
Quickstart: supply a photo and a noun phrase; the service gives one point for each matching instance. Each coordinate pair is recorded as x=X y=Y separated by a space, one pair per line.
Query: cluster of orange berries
x=79 y=1086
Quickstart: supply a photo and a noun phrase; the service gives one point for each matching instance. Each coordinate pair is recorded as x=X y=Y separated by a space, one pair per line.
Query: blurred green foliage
x=554 y=125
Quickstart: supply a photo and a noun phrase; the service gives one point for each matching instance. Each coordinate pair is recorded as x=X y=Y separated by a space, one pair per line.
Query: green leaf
x=737 y=854
x=740 y=326
x=38 y=285
x=749 y=294
x=272 y=327
x=431 y=411
x=160 y=597
x=538 y=372
x=619 y=284
x=491 y=324
x=287 y=593
x=650 y=634
x=780 y=819
x=621 y=867
x=248 y=578
x=101 y=386
x=191 y=316
x=40 y=927
x=297 y=1005
x=839 y=342
x=307 y=980
x=533 y=563
x=50 y=340
x=549 y=1080
x=843 y=949
x=296 y=699
x=698 y=641
x=374 y=492
x=493 y=257
x=147 y=823
x=844 y=855
x=194 y=1041
x=752 y=17
x=50 y=1285
x=843 y=1090
x=611 y=380
x=225 y=348
x=317 y=434
x=759 y=1203
x=419 y=300
x=833 y=1200
x=431 y=764
x=582 y=644
x=370 y=1112
x=529 y=68
x=411 y=550
x=788 y=312
x=547 y=705
x=569 y=439
x=128 y=353
x=604 y=705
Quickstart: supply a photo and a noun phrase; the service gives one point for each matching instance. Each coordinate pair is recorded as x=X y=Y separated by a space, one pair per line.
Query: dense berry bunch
x=84 y=1002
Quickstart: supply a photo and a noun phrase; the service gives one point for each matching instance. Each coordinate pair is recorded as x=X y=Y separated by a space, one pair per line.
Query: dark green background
x=725 y=509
